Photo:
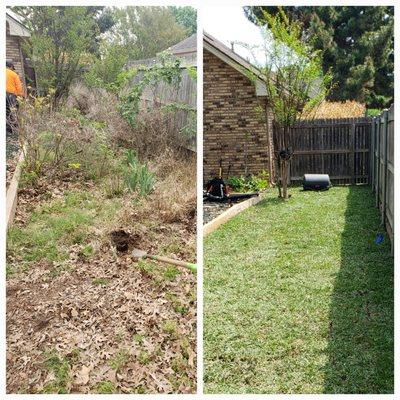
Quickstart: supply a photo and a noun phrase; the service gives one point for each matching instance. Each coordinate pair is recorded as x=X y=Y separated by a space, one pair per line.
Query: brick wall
x=14 y=52
x=231 y=124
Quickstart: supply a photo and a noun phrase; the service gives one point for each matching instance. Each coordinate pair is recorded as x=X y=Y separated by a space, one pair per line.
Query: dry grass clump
x=153 y=134
x=174 y=196
x=155 y=131
x=176 y=190
x=337 y=109
x=165 y=220
x=51 y=139
x=99 y=105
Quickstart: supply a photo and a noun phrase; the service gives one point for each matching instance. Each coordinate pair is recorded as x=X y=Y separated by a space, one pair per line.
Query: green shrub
x=252 y=183
x=373 y=112
x=105 y=71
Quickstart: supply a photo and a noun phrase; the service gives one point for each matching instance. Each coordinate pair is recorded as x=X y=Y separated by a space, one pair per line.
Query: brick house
x=16 y=32
x=235 y=132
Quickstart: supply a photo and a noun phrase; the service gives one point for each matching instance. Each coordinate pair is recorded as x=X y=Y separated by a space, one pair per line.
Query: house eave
x=260 y=87
x=16 y=28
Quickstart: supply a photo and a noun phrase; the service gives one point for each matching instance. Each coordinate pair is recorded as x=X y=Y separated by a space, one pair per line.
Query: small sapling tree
x=294 y=80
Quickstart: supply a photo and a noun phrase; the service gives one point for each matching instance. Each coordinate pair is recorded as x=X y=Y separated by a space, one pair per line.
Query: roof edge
x=237 y=62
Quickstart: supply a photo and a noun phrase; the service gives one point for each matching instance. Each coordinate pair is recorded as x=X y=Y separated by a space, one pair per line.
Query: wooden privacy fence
x=164 y=94
x=351 y=151
x=338 y=147
x=382 y=166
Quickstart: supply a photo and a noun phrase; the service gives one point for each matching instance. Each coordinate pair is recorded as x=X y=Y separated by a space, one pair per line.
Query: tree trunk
x=284 y=179
x=283 y=156
x=278 y=179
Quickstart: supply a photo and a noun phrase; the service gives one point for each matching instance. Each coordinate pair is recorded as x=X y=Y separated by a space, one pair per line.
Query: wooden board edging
x=12 y=191
x=230 y=213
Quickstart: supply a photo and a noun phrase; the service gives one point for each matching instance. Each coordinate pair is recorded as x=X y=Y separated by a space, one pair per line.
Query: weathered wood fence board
x=382 y=166
x=164 y=94
x=338 y=147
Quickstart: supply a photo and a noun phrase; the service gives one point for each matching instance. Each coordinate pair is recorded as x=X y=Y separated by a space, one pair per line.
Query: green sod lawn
x=299 y=298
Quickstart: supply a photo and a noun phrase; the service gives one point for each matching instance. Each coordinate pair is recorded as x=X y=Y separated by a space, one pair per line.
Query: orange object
x=13 y=83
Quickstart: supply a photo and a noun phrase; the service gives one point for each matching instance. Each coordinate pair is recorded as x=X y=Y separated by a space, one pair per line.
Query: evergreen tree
x=357 y=44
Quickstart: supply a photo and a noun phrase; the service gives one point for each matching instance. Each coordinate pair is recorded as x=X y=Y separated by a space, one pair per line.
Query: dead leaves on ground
x=72 y=315
x=101 y=319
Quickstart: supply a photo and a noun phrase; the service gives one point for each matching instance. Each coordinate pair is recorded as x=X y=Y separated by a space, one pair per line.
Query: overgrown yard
x=299 y=297
x=83 y=316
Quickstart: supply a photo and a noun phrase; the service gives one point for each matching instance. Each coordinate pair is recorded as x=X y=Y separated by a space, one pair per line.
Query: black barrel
x=316 y=182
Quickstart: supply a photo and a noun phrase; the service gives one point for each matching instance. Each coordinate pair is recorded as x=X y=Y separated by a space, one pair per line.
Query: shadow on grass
x=360 y=347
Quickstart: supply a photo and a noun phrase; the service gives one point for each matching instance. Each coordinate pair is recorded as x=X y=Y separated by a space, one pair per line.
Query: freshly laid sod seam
x=299 y=298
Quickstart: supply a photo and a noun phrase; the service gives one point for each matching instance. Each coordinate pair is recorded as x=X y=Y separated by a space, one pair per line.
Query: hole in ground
x=123 y=240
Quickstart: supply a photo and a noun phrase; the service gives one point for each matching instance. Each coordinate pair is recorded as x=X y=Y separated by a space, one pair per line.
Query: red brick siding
x=231 y=121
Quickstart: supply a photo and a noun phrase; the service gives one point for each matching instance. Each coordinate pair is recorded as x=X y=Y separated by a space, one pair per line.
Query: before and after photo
x=106 y=240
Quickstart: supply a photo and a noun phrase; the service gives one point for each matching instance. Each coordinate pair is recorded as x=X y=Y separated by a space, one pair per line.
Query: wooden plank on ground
x=12 y=192
x=230 y=213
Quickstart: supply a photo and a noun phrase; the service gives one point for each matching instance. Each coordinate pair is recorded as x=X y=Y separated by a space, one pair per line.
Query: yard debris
x=99 y=313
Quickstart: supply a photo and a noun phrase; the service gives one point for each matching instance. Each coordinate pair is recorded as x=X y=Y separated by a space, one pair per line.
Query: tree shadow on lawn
x=360 y=343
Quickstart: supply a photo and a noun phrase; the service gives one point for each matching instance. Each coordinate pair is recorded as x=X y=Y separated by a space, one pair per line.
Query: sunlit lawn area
x=299 y=298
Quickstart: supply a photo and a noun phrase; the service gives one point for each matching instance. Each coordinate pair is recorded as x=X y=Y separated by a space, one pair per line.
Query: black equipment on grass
x=316 y=182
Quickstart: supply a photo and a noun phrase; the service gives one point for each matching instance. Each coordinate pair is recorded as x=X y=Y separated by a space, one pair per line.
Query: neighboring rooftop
x=188 y=45
x=186 y=50
x=16 y=24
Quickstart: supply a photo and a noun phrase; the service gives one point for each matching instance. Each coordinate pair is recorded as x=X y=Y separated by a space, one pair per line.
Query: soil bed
x=211 y=209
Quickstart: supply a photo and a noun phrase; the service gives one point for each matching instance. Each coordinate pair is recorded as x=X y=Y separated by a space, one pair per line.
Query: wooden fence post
x=372 y=155
x=385 y=165
x=352 y=153
x=377 y=160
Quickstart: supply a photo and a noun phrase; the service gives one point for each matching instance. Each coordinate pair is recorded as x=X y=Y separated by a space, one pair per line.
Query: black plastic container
x=316 y=182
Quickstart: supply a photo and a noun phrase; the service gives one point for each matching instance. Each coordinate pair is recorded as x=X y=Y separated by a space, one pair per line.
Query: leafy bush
x=105 y=71
x=167 y=70
x=373 y=112
x=62 y=141
x=252 y=183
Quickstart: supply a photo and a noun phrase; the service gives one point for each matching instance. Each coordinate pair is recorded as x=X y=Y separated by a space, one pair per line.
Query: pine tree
x=357 y=44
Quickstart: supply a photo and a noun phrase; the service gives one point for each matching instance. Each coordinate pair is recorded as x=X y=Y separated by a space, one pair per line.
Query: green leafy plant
x=373 y=112
x=167 y=70
x=138 y=177
x=252 y=183
x=105 y=71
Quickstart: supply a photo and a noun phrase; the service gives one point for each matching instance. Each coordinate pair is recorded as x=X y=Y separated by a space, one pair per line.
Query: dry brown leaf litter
x=93 y=325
